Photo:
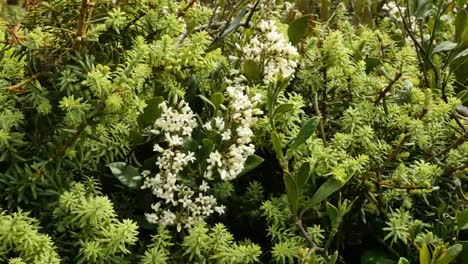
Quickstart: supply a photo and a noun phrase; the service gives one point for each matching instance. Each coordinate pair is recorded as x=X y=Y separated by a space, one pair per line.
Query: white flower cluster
x=276 y=56
x=182 y=205
x=242 y=111
x=394 y=13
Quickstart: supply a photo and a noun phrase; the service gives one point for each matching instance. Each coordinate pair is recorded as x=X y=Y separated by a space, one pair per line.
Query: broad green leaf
x=461 y=54
x=450 y=255
x=424 y=255
x=277 y=145
x=462 y=220
x=445 y=46
x=283 y=108
x=151 y=112
x=306 y=131
x=328 y=188
x=252 y=162
x=126 y=174
x=464 y=254
x=371 y=63
x=303 y=175
x=461 y=25
x=251 y=70
x=291 y=192
x=217 y=99
x=332 y=213
x=298 y=29
x=206 y=148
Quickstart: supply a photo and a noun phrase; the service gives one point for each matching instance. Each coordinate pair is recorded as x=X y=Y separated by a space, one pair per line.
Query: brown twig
x=313 y=247
x=455 y=144
x=321 y=124
x=387 y=89
x=17 y=87
x=65 y=146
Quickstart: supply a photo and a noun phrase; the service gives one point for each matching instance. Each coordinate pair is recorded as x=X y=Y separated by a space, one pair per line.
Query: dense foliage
x=233 y=131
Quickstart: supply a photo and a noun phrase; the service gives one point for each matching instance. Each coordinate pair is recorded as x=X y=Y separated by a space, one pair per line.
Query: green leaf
x=424 y=9
x=328 y=188
x=403 y=260
x=424 y=255
x=445 y=46
x=291 y=192
x=303 y=175
x=252 y=162
x=126 y=174
x=462 y=220
x=283 y=108
x=151 y=112
x=461 y=54
x=217 y=99
x=277 y=145
x=298 y=29
x=332 y=212
x=461 y=22
x=235 y=23
x=450 y=255
x=206 y=100
x=207 y=147
x=464 y=254
x=252 y=70
x=306 y=131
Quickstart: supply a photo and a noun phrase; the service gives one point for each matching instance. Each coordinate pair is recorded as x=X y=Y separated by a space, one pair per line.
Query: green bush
x=259 y=131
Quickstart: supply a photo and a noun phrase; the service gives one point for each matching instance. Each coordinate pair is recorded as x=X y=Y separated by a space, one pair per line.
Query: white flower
x=226 y=135
x=204 y=186
x=220 y=209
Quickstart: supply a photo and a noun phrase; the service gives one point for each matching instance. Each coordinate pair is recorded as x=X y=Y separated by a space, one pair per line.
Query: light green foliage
x=216 y=140
x=20 y=236
x=90 y=220
x=202 y=245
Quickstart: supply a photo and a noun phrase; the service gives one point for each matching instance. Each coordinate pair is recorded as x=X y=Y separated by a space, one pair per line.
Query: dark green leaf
x=252 y=162
x=252 y=70
x=332 y=213
x=277 y=145
x=462 y=220
x=151 y=112
x=298 y=29
x=217 y=99
x=303 y=175
x=126 y=174
x=461 y=22
x=328 y=188
x=464 y=254
x=445 y=46
x=206 y=148
x=461 y=54
x=306 y=131
x=291 y=192
x=283 y=108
